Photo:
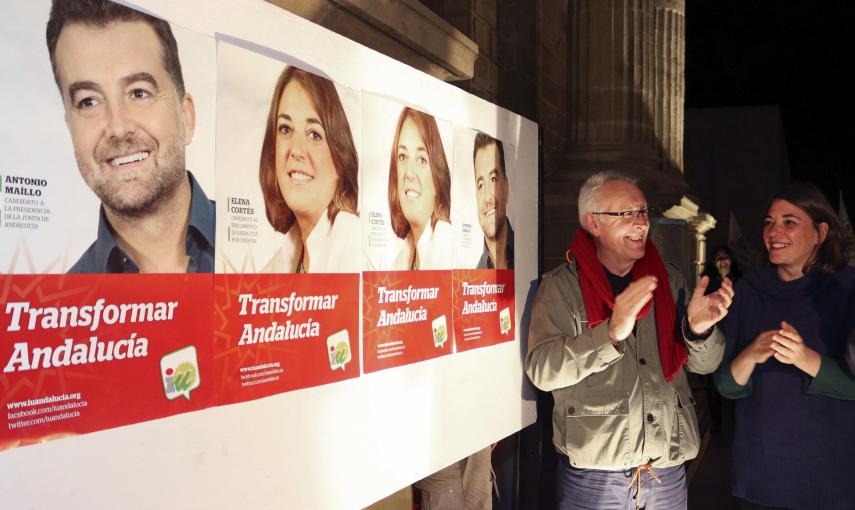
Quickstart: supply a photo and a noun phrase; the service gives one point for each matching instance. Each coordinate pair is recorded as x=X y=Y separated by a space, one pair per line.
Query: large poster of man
x=289 y=236
x=131 y=135
x=118 y=191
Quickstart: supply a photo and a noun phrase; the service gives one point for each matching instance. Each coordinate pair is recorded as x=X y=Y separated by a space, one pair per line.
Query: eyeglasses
x=627 y=215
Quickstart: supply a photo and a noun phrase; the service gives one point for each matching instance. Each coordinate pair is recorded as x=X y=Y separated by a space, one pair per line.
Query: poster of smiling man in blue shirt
x=130 y=120
x=491 y=192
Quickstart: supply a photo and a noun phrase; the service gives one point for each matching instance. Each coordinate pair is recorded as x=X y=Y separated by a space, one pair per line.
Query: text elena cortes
x=23 y=316
x=285 y=306
x=405 y=296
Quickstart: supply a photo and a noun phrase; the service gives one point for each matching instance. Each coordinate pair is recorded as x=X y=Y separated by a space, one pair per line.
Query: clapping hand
x=627 y=305
x=790 y=348
x=760 y=349
x=757 y=352
x=704 y=311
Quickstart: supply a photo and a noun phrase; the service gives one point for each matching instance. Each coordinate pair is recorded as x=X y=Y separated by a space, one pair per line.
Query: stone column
x=669 y=64
x=626 y=88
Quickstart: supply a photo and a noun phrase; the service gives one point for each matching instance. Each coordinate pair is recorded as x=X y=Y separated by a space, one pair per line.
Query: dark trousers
x=594 y=489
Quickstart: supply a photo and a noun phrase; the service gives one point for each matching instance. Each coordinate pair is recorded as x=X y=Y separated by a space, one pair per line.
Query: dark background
x=798 y=55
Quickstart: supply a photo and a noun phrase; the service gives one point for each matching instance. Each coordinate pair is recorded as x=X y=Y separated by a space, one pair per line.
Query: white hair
x=589 y=195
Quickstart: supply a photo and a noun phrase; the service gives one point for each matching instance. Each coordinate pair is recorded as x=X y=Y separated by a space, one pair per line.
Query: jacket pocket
x=596 y=430
x=685 y=441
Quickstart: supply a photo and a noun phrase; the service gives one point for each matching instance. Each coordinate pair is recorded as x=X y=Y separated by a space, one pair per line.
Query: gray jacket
x=613 y=408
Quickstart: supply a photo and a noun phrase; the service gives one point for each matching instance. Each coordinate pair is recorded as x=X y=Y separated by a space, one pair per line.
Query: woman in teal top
x=787 y=334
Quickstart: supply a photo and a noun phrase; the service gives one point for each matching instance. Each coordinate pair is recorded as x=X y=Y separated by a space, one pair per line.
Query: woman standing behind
x=720 y=267
x=787 y=333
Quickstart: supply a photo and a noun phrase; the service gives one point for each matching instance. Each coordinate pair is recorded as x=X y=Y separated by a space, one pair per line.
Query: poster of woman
x=287 y=167
x=408 y=235
x=287 y=283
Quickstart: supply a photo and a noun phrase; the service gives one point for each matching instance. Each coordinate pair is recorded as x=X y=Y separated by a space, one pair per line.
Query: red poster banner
x=406 y=317
x=282 y=332
x=82 y=353
x=483 y=307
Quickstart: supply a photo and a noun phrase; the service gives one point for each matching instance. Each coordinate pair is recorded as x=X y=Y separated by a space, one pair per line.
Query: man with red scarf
x=611 y=331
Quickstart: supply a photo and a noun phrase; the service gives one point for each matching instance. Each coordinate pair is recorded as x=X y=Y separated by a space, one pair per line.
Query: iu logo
x=179 y=371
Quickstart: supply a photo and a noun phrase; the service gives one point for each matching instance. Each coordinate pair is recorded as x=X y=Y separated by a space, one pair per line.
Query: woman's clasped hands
x=785 y=345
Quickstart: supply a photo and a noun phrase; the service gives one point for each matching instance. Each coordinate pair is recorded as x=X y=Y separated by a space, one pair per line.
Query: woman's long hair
x=339 y=139
x=429 y=132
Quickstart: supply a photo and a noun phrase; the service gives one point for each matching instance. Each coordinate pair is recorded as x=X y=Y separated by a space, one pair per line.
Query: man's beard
x=139 y=194
x=491 y=227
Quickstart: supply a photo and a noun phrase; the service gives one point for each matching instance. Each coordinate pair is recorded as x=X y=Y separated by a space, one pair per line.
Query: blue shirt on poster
x=105 y=256
x=485 y=262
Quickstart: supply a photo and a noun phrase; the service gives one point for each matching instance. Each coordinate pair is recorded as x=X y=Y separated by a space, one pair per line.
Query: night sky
x=799 y=55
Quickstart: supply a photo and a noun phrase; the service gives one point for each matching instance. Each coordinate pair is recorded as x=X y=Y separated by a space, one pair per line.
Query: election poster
x=408 y=234
x=106 y=169
x=287 y=282
x=484 y=271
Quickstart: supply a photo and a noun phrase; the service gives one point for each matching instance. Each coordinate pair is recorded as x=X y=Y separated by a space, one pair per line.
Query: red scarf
x=599 y=298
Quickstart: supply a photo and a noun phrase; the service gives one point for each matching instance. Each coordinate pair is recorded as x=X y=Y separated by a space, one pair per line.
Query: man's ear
x=592 y=225
x=188 y=111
